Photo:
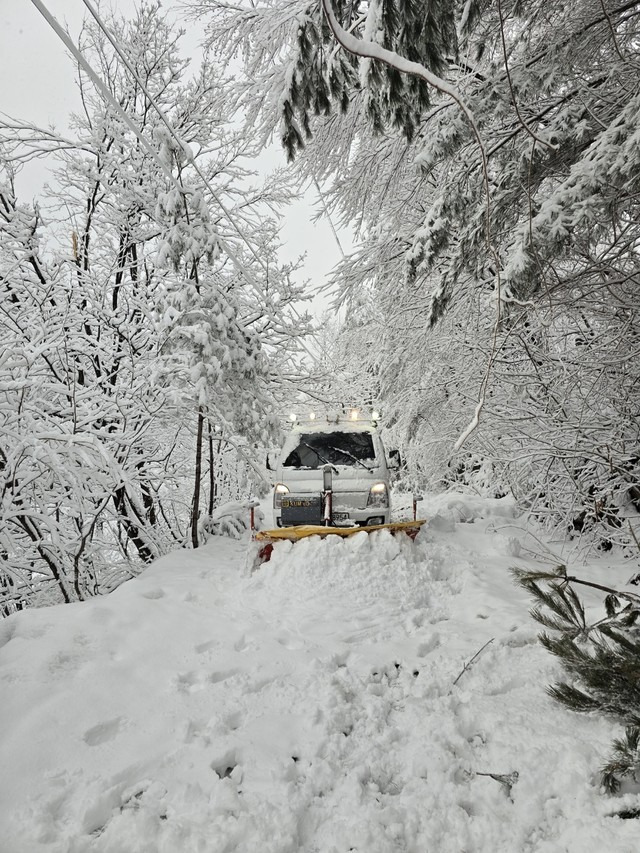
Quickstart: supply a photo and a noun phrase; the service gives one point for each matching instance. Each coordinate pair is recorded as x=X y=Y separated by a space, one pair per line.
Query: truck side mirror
x=395 y=462
x=272 y=461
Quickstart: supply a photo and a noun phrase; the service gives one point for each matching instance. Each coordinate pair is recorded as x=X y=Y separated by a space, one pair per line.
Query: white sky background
x=37 y=84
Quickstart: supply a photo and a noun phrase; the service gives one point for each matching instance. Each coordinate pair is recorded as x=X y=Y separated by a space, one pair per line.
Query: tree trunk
x=195 y=508
x=133 y=528
x=212 y=473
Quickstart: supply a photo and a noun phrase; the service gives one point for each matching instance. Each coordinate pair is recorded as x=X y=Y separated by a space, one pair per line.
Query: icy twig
x=469 y=663
x=633 y=535
x=507 y=780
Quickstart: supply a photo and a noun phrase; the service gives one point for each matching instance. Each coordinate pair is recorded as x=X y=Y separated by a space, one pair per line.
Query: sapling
x=602 y=659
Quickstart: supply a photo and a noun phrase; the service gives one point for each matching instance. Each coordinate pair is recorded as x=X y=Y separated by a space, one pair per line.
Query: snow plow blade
x=266 y=539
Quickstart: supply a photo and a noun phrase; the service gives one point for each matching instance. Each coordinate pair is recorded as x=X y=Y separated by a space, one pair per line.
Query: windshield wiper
x=319 y=455
x=351 y=456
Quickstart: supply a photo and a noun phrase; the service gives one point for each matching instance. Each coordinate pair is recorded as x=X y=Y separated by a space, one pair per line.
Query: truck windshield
x=336 y=448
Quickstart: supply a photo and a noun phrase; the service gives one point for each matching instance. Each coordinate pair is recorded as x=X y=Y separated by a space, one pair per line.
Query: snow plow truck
x=332 y=477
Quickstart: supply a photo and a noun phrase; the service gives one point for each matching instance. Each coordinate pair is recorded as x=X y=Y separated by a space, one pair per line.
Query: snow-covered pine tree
x=601 y=659
x=312 y=78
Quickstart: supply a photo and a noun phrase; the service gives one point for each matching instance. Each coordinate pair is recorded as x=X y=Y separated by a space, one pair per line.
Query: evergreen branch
x=566 y=607
x=629 y=596
x=373 y=50
x=630 y=618
x=565 y=648
x=514 y=99
x=624 y=760
x=523 y=576
x=602 y=657
x=624 y=642
x=555 y=624
x=573 y=698
x=611 y=605
x=526 y=579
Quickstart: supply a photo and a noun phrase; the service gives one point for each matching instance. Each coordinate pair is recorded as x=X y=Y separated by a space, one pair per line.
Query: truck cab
x=349 y=452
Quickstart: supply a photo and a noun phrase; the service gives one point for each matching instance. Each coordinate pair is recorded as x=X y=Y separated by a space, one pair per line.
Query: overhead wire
x=64 y=37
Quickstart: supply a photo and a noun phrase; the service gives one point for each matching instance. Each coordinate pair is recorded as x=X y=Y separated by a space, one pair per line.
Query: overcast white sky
x=37 y=84
x=36 y=73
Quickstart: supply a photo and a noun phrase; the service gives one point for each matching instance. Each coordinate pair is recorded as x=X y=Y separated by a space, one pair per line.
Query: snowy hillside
x=320 y=704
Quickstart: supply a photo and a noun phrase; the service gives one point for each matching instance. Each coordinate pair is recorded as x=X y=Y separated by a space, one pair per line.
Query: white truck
x=339 y=458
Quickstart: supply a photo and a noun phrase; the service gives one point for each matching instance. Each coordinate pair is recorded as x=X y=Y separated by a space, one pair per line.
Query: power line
x=64 y=36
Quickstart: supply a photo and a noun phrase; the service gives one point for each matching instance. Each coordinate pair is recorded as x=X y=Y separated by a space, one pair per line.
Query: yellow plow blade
x=301 y=531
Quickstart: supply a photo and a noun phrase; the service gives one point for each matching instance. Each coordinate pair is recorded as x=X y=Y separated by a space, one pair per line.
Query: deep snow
x=310 y=706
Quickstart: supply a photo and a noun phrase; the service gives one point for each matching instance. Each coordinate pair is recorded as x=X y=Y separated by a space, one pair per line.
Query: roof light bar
x=350 y=415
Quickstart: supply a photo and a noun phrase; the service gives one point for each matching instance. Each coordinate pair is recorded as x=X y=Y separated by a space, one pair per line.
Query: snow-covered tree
x=492 y=184
x=145 y=316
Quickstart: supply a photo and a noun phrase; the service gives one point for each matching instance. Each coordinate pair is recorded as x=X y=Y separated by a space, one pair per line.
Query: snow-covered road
x=311 y=706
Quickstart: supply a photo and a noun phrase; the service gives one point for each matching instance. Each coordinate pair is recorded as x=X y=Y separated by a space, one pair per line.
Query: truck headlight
x=378 y=495
x=278 y=492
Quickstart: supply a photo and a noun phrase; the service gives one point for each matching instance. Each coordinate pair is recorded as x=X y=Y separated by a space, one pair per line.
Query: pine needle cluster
x=602 y=659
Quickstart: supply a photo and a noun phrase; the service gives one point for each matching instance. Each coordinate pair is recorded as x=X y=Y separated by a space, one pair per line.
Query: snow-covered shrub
x=232 y=519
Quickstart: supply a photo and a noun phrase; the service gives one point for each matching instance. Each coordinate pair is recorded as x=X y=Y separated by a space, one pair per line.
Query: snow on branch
x=373 y=50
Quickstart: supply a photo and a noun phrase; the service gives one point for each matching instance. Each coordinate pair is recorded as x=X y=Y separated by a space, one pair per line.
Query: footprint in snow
x=103 y=732
x=289 y=641
x=241 y=644
x=209 y=730
x=154 y=593
x=233 y=721
x=206 y=647
x=226 y=766
x=217 y=677
x=429 y=646
x=63 y=662
x=190 y=682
